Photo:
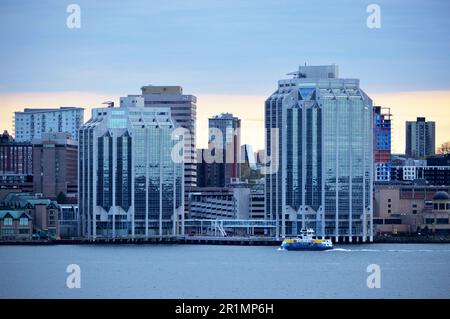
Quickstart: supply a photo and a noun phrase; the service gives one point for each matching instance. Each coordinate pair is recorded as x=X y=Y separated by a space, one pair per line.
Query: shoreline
x=222 y=241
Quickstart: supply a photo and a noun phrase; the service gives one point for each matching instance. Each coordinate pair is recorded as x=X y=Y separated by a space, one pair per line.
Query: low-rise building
x=15 y=225
x=401 y=207
x=239 y=208
x=220 y=202
x=68 y=220
x=436 y=218
x=45 y=218
x=43 y=211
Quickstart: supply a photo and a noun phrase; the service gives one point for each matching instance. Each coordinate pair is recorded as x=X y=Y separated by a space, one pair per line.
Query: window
x=392 y=221
x=23 y=221
x=8 y=221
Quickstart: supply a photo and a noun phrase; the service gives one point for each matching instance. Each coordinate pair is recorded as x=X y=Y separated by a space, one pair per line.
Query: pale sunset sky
x=228 y=53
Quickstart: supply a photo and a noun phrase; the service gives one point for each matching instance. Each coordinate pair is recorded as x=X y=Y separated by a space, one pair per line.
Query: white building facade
x=32 y=123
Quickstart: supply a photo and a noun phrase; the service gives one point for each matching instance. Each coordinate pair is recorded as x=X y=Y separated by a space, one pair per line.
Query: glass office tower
x=229 y=166
x=324 y=153
x=129 y=186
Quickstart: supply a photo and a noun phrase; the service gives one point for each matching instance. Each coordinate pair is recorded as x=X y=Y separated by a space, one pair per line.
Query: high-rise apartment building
x=420 y=138
x=32 y=123
x=55 y=164
x=183 y=109
x=129 y=184
x=224 y=135
x=319 y=129
x=382 y=124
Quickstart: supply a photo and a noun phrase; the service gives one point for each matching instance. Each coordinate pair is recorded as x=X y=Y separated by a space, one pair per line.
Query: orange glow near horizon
x=434 y=105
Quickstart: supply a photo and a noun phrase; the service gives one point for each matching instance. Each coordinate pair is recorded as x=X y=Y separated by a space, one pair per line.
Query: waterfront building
x=44 y=214
x=231 y=202
x=43 y=211
x=129 y=185
x=236 y=209
x=399 y=207
x=382 y=124
x=420 y=138
x=55 y=164
x=31 y=123
x=437 y=218
x=68 y=221
x=16 y=163
x=15 y=225
x=324 y=153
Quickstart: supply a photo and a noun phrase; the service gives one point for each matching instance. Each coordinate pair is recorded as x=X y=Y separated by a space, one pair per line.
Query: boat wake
x=339 y=249
x=391 y=250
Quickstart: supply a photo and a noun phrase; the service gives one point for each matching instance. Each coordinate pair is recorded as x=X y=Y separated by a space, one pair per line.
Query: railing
x=235 y=223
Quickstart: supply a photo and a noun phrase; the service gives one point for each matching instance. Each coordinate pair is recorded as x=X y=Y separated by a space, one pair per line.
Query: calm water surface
x=185 y=271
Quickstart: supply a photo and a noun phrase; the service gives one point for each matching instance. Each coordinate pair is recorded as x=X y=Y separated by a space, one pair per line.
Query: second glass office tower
x=324 y=149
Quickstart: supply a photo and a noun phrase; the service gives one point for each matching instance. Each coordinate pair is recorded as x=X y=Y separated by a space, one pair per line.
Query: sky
x=228 y=53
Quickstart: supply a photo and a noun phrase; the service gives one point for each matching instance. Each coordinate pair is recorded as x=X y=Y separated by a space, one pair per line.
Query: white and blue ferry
x=307 y=241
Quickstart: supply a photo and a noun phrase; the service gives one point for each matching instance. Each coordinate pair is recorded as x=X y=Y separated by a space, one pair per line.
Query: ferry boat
x=307 y=241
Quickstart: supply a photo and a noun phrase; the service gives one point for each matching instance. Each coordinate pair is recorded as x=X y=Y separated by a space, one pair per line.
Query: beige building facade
x=403 y=208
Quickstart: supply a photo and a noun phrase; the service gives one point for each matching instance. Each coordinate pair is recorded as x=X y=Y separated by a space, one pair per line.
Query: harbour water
x=201 y=271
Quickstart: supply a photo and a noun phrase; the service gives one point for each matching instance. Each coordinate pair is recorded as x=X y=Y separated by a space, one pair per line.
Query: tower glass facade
x=325 y=155
x=183 y=108
x=129 y=185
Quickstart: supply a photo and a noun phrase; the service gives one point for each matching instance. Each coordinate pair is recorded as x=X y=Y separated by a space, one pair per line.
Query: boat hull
x=306 y=247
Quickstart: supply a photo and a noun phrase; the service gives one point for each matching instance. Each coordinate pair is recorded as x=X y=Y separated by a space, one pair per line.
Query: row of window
x=439 y=221
x=441 y=206
x=8 y=221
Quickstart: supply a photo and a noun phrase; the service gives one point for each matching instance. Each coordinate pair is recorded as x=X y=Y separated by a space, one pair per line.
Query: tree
x=62 y=198
x=444 y=149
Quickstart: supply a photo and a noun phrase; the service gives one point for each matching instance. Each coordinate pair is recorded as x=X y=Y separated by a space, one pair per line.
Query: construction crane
x=109 y=103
